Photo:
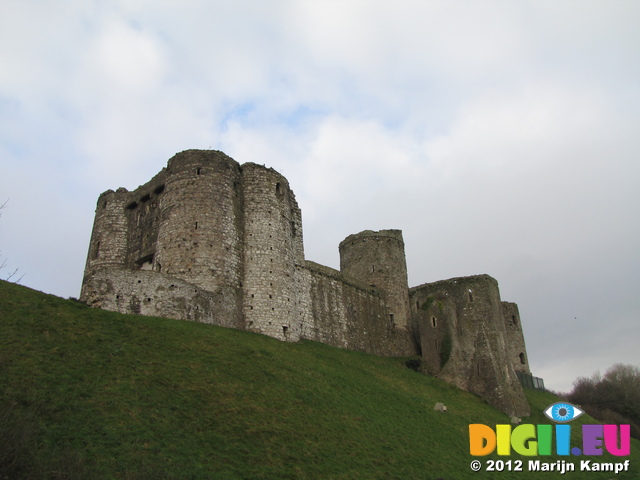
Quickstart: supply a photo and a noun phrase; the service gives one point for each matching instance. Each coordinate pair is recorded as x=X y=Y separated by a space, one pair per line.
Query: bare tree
x=3 y=261
x=613 y=397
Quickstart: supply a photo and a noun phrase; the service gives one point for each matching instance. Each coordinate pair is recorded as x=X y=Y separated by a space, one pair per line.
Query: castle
x=213 y=241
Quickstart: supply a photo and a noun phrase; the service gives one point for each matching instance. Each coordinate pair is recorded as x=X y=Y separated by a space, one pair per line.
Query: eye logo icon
x=562 y=412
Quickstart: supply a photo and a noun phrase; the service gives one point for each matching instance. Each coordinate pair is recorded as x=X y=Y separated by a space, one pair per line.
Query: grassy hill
x=86 y=393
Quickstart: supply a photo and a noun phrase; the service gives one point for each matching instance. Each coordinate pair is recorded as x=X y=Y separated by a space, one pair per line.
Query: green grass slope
x=86 y=393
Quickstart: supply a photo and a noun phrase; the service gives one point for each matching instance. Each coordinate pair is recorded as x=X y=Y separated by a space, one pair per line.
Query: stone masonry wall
x=349 y=314
x=143 y=292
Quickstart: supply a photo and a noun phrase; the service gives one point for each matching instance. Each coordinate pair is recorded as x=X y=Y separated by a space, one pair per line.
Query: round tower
x=273 y=246
x=200 y=231
x=108 y=246
x=378 y=259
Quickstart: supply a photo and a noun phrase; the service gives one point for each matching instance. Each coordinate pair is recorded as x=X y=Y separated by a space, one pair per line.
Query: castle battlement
x=210 y=240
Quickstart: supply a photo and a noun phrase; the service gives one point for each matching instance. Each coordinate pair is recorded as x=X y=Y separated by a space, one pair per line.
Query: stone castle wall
x=144 y=292
x=350 y=314
x=213 y=241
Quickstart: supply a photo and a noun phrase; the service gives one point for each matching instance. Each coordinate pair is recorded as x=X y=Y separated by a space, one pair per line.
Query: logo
x=562 y=412
x=530 y=440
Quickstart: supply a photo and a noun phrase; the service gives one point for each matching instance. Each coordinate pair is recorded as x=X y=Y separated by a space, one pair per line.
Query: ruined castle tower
x=516 y=349
x=465 y=342
x=197 y=239
x=213 y=241
x=378 y=259
x=272 y=249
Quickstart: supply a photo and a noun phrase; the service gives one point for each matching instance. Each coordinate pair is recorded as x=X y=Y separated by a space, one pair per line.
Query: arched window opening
x=523 y=360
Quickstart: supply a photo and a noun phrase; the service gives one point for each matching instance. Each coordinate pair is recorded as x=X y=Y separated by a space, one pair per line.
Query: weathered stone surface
x=213 y=241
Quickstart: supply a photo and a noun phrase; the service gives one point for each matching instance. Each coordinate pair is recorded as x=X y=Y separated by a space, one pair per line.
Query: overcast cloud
x=501 y=137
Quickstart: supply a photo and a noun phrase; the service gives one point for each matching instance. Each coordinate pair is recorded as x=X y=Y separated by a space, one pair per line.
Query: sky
x=500 y=137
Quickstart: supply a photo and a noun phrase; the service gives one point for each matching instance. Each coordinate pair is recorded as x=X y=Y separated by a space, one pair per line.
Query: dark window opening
x=284 y=330
x=523 y=360
x=391 y=319
x=96 y=250
x=146 y=198
x=145 y=263
x=196 y=225
x=198 y=171
x=434 y=322
x=278 y=189
x=132 y=205
x=514 y=320
x=159 y=190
